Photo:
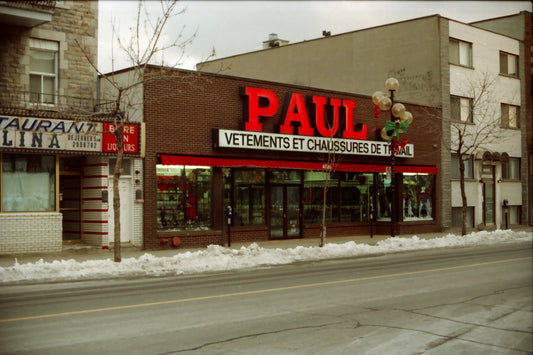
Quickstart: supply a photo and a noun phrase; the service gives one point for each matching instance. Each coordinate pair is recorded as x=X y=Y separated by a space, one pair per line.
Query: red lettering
x=349 y=133
x=296 y=113
x=255 y=110
x=322 y=126
x=325 y=120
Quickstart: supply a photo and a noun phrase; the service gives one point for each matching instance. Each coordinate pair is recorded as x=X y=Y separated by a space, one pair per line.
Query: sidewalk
x=81 y=252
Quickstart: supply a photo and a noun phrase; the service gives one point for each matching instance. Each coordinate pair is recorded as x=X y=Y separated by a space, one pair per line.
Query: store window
x=383 y=190
x=183 y=197
x=460 y=52
x=510 y=116
x=457 y=217
x=249 y=197
x=508 y=64
x=348 y=197
x=356 y=197
x=314 y=184
x=43 y=71
x=418 y=199
x=461 y=108
x=28 y=183
x=511 y=169
x=468 y=163
x=286 y=177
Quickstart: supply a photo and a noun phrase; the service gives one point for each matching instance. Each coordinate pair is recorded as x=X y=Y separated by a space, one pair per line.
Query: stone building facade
x=55 y=136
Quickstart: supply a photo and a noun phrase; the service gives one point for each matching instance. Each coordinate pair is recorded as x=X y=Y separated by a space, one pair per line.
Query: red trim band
x=228 y=162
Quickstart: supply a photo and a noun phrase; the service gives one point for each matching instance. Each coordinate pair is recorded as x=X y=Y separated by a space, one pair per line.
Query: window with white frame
x=460 y=52
x=461 y=109
x=508 y=64
x=511 y=169
x=510 y=116
x=469 y=166
x=28 y=183
x=43 y=71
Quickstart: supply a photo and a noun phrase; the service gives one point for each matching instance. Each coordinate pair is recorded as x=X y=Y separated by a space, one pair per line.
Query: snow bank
x=217 y=258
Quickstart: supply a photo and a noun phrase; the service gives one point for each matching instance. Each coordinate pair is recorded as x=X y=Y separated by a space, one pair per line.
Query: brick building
x=55 y=142
x=214 y=141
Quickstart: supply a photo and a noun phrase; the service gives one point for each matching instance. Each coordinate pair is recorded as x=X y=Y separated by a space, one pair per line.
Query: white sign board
x=306 y=144
x=41 y=133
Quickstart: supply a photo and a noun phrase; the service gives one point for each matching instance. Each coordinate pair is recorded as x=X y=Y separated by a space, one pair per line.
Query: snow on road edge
x=217 y=258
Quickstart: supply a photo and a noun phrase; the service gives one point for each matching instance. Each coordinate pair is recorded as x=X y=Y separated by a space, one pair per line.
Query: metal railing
x=53 y=105
x=28 y=4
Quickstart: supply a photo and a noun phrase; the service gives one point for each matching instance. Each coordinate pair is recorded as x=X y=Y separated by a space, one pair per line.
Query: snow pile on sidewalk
x=217 y=258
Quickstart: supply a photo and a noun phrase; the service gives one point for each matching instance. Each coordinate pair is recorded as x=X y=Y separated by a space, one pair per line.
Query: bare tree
x=474 y=125
x=142 y=48
x=329 y=167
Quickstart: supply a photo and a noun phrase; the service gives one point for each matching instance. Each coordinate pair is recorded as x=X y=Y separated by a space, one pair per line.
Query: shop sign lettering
x=302 y=116
x=315 y=124
x=130 y=138
x=306 y=144
x=57 y=134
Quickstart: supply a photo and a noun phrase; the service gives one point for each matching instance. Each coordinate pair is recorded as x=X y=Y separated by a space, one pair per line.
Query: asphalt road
x=470 y=300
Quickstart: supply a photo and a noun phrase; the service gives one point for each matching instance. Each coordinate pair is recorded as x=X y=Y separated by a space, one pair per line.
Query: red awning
x=228 y=162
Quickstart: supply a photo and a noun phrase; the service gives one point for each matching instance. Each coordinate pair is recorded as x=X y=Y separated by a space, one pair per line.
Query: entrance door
x=126 y=211
x=488 y=194
x=284 y=211
x=70 y=197
x=70 y=206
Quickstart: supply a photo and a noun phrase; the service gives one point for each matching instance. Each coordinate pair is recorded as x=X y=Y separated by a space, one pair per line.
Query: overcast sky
x=235 y=27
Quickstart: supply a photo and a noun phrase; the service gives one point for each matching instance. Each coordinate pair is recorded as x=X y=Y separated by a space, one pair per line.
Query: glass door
x=284 y=211
x=277 y=212
x=488 y=194
x=292 y=194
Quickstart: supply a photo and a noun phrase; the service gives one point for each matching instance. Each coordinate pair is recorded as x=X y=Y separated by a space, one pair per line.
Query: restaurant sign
x=59 y=134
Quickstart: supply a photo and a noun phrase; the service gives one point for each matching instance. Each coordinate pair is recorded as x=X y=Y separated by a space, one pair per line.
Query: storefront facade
x=54 y=182
x=265 y=151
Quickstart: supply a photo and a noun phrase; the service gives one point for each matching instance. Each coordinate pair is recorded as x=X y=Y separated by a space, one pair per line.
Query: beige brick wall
x=43 y=234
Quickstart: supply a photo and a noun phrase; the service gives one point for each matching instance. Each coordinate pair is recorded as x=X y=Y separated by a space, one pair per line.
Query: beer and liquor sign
x=59 y=134
x=130 y=138
x=303 y=127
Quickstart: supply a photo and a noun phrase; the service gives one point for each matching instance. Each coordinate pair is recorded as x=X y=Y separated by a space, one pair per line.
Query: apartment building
x=439 y=62
x=520 y=26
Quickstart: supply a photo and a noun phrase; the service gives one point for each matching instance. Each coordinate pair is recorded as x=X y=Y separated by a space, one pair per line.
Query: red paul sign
x=302 y=116
x=130 y=137
x=312 y=124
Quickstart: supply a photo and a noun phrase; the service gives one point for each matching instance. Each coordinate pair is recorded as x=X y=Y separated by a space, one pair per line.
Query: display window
x=28 y=183
x=183 y=197
x=314 y=184
x=249 y=197
x=418 y=197
x=356 y=192
x=348 y=197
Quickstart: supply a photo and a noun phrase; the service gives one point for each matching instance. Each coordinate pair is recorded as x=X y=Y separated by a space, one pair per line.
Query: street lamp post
x=398 y=123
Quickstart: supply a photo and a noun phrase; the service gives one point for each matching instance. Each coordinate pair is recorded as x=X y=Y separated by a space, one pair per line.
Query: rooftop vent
x=274 y=41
